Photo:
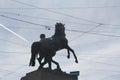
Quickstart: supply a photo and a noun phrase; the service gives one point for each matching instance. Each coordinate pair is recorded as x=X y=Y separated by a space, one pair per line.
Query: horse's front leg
x=76 y=60
x=68 y=56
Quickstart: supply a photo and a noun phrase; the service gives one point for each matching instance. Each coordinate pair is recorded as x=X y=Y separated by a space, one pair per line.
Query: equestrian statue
x=47 y=47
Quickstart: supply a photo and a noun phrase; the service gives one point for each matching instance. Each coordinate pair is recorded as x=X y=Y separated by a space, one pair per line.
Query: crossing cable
x=25 y=21
x=18 y=14
x=86 y=32
x=84 y=7
x=78 y=31
x=60 y=13
x=14 y=43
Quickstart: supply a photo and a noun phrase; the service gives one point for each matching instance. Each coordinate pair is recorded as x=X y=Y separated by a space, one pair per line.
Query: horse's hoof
x=58 y=69
x=33 y=65
x=76 y=61
x=40 y=67
x=68 y=57
x=50 y=68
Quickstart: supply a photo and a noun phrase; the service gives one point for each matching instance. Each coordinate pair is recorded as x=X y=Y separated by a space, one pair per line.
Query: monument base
x=47 y=74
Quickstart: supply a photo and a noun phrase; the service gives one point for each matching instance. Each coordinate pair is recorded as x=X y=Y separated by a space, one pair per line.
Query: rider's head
x=42 y=36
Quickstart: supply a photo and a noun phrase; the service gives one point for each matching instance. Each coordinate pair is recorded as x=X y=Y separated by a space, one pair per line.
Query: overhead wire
x=80 y=7
x=66 y=29
x=18 y=14
x=50 y=19
x=24 y=21
x=93 y=33
x=14 y=43
x=86 y=32
x=67 y=15
x=89 y=31
x=60 y=13
x=43 y=18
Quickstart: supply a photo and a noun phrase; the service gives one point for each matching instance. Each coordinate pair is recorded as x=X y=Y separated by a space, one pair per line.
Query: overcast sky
x=95 y=37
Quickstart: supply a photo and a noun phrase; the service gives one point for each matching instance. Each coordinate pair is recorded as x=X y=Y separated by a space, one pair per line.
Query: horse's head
x=59 y=28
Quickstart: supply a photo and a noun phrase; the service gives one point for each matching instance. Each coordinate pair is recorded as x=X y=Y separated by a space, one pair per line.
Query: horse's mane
x=59 y=30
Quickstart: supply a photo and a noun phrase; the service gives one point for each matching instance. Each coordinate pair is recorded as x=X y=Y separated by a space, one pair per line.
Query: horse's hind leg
x=40 y=59
x=42 y=64
x=58 y=66
x=49 y=62
x=49 y=59
x=46 y=60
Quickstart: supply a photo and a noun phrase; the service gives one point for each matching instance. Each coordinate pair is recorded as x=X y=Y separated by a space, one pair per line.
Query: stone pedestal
x=47 y=74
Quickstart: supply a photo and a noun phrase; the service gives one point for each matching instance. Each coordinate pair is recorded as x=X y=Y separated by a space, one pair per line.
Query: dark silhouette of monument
x=47 y=74
x=46 y=48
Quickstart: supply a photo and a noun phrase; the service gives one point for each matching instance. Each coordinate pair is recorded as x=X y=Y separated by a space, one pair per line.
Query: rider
x=42 y=37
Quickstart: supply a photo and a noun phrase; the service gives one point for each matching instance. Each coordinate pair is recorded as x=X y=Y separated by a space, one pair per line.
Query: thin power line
x=14 y=43
x=77 y=7
x=82 y=7
x=60 y=13
x=66 y=29
x=78 y=31
x=18 y=14
x=37 y=28
x=24 y=21
x=86 y=32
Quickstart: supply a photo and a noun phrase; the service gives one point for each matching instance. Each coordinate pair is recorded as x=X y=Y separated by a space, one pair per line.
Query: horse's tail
x=34 y=52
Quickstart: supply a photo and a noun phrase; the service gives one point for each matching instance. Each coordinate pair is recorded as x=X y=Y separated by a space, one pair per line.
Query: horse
x=48 y=47
x=35 y=49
